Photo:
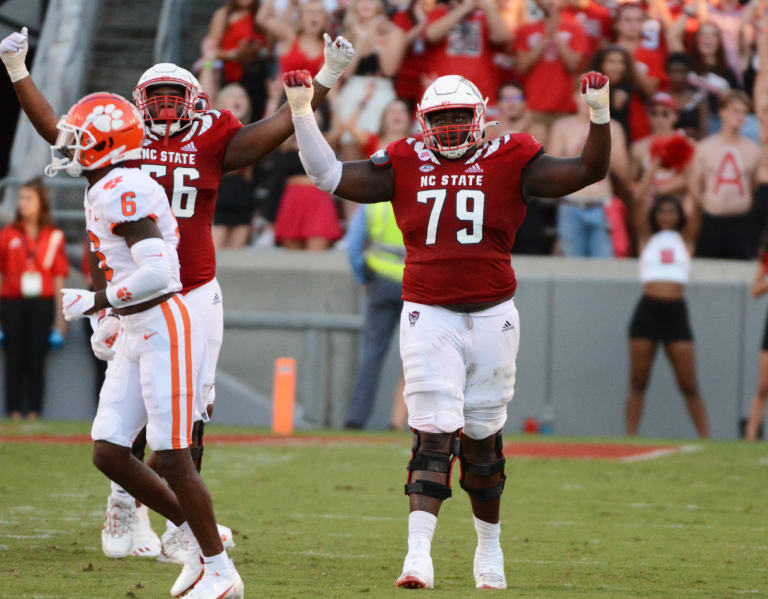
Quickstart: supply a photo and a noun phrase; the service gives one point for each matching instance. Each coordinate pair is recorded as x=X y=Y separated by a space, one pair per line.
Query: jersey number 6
x=184 y=196
x=470 y=204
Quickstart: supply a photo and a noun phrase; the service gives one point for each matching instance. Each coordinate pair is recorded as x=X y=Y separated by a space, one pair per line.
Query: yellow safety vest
x=386 y=252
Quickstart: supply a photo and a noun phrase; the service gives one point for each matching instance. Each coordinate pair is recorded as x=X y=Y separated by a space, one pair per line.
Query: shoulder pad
x=380 y=158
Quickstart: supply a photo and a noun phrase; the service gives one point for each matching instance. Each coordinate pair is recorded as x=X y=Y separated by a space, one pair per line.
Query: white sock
x=217 y=563
x=120 y=494
x=421 y=529
x=487 y=536
x=170 y=526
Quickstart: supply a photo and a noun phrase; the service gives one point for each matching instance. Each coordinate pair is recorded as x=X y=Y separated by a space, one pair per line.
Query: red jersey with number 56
x=459 y=218
x=189 y=167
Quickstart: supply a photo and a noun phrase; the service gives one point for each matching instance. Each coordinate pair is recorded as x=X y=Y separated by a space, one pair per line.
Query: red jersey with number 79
x=189 y=166
x=459 y=218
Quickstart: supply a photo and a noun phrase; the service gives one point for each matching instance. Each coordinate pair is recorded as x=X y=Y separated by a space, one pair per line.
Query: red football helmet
x=101 y=129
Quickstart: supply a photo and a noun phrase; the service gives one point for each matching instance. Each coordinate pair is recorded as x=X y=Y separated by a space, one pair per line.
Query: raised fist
x=13 y=51
x=299 y=91
x=595 y=91
x=338 y=54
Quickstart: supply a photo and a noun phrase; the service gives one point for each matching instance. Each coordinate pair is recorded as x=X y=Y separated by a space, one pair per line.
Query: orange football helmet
x=101 y=129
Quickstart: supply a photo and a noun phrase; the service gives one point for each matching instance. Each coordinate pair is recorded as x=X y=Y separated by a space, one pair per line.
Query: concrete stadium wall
x=573 y=356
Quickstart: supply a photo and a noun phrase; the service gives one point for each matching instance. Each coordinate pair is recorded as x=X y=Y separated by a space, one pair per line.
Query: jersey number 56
x=184 y=196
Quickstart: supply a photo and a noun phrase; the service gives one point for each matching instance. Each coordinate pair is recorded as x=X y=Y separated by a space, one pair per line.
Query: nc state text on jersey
x=167 y=156
x=460 y=180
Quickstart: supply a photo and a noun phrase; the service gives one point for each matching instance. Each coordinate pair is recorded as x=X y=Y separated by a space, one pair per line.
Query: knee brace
x=492 y=464
x=196 y=450
x=140 y=445
x=432 y=452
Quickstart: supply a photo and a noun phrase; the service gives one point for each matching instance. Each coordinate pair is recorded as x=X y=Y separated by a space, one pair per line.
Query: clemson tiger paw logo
x=107 y=118
x=124 y=295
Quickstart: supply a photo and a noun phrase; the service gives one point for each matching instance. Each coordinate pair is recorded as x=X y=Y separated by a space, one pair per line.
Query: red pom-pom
x=673 y=151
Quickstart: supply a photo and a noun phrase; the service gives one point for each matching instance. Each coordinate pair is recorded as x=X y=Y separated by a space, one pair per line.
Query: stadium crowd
x=687 y=99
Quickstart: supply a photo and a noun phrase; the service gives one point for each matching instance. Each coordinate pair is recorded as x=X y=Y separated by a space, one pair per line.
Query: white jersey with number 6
x=126 y=195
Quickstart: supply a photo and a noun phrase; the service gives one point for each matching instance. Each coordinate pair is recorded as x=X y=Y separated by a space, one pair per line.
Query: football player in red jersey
x=187 y=150
x=458 y=201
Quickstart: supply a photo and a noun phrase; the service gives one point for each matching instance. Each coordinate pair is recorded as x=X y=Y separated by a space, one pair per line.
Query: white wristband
x=600 y=116
x=326 y=78
x=17 y=73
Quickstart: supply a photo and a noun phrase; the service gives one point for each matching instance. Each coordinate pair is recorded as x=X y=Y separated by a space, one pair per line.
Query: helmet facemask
x=166 y=115
x=70 y=143
x=452 y=140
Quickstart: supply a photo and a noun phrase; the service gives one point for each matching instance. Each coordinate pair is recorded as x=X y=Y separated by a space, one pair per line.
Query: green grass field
x=330 y=521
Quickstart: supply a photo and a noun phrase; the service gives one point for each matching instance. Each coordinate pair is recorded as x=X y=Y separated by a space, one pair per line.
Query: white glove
x=104 y=337
x=76 y=302
x=338 y=54
x=299 y=91
x=595 y=91
x=13 y=51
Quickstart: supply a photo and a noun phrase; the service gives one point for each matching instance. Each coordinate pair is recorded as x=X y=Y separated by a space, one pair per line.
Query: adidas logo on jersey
x=508 y=326
x=190 y=147
x=475 y=168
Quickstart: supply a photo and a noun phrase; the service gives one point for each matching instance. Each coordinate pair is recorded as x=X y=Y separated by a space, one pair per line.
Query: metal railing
x=316 y=363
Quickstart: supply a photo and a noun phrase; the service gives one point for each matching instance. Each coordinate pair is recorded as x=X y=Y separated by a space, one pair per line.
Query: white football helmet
x=451 y=92
x=171 y=113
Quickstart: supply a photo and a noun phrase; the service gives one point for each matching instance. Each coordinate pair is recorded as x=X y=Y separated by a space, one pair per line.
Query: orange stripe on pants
x=187 y=363
x=175 y=390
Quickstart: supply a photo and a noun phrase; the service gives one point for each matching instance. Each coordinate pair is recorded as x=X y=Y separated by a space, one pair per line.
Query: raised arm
x=550 y=177
x=360 y=181
x=13 y=51
x=251 y=143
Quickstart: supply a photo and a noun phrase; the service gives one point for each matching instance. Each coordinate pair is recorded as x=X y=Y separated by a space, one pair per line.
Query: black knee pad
x=140 y=445
x=492 y=465
x=196 y=450
x=432 y=452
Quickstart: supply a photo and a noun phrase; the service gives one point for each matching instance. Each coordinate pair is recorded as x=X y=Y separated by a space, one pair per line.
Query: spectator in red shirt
x=33 y=265
x=297 y=47
x=649 y=65
x=460 y=36
x=412 y=21
x=595 y=18
x=548 y=55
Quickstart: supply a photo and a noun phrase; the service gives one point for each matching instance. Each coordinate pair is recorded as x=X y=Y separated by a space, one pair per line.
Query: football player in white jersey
x=188 y=148
x=156 y=375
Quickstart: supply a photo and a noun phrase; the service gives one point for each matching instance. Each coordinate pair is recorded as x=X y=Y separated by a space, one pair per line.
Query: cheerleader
x=661 y=314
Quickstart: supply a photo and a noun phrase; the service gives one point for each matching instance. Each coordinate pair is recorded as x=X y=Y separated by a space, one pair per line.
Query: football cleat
x=119 y=523
x=175 y=547
x=191 y=573
x=417 y=572
x=219 y=585
x=489 y=571
x=226 y=536
x=145 y=541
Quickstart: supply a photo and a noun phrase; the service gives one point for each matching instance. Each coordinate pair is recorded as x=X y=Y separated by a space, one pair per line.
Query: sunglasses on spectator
x=661 y=113
x=510 y=97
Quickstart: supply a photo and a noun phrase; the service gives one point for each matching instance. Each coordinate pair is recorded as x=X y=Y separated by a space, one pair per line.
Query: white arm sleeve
x=153 y=275
x=317 y=157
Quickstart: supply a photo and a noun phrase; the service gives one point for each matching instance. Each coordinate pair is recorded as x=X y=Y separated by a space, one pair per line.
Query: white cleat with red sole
x=145 y=541
x=219 y=585
x=191 y=574
x=418 y=572
x=175 y=548
x=489 y=571
x=119 y=524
